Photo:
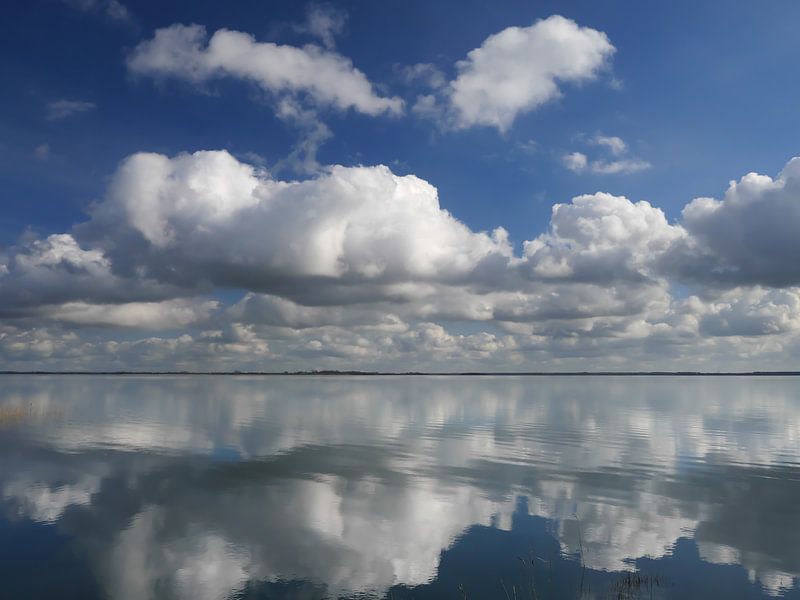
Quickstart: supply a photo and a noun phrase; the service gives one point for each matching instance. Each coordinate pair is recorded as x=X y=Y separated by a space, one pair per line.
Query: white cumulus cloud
x=748 y=237
x=329 y=79
x=521 y=68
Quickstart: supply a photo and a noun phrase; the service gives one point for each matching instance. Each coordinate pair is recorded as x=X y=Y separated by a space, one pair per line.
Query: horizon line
x=333 y=372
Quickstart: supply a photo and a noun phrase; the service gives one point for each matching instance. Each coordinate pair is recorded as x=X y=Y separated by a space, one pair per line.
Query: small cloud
x=620 y=164
x=426 y=73
x=616 y=84
x=114 y=10
x=42 y=151
x=614 y=144
x=575 y=161
x=624 y=166
x=254 y=158
x=313 y=134
x=528 y=146
x=325 y=22
x=427 y=106
x=61 y=109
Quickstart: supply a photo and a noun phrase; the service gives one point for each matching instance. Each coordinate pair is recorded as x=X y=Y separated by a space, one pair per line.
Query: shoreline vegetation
x=333 y=373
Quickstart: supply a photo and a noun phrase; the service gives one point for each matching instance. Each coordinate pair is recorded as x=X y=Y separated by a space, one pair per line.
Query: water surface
x=203 y=487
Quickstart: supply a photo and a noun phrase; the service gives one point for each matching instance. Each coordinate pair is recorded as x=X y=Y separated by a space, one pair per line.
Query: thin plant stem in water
x=580 y=547
x=505 y=591
x=530 y=566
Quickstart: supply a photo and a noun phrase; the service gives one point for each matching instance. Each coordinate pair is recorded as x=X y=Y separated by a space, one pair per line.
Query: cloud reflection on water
x=189 y=487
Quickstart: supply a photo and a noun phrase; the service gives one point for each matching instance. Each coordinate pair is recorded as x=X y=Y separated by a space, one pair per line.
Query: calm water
x=203 y=487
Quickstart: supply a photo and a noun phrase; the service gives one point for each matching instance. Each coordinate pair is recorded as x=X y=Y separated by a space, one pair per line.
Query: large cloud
x=181 y=51
x=206 y=216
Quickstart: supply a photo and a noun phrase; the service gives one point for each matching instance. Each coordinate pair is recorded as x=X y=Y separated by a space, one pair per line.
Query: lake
x=206 y=487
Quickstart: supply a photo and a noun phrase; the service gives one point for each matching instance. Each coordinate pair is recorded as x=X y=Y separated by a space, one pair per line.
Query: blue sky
x=681 y=99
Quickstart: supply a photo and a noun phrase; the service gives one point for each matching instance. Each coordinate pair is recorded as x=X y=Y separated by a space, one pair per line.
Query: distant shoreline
x=325 y=373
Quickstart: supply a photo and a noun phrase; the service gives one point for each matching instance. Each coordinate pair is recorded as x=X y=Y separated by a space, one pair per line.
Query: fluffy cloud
x=601 y=238
x=748 y=237
x=751 y=312
x=329 y=79
x=206 y=216
x=520 y=68
x=57 y=270
x=575 y=161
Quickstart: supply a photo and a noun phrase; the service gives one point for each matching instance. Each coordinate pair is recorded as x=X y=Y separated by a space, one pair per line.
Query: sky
x=537 y=186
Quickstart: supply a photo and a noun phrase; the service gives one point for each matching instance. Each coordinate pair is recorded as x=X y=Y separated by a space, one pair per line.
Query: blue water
x=204 y=487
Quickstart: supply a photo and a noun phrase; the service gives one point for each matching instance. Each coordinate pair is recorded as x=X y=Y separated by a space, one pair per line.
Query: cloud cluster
x=512 y=72
x=329 y=79
x=360 y=266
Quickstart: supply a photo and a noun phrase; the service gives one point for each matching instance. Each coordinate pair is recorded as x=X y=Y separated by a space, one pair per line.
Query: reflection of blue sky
x=198 y=484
